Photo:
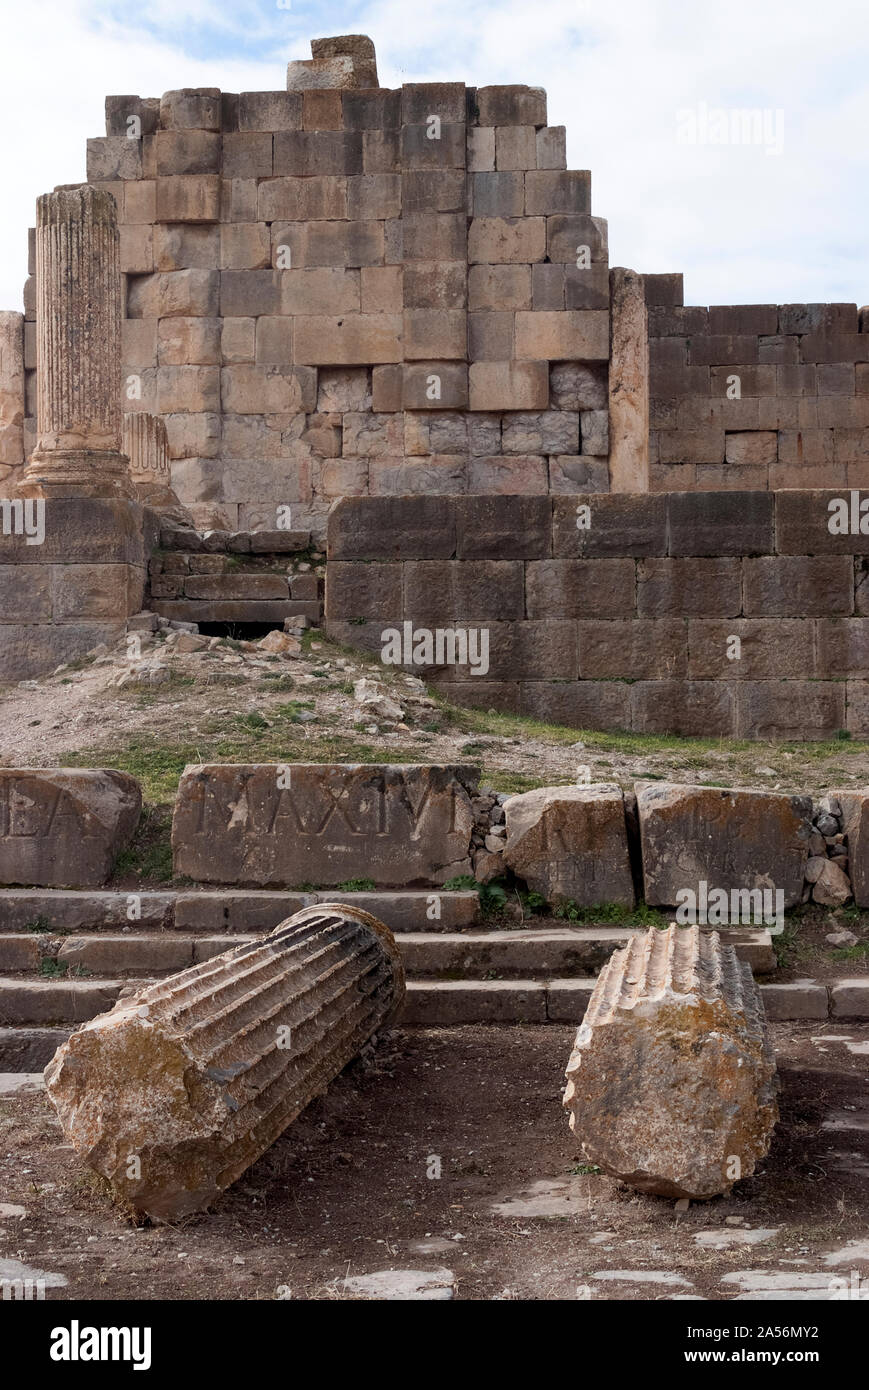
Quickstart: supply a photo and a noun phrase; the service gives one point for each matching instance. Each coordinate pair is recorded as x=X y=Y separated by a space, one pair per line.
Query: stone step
x=542 y=951
x=191 y=610
x=51 y=1004
x=25 y=1004
x=442 y=1002
x=55 y=1001
x=227 y=911
x=471 y=954
x=29 y=1049
x=203 y=911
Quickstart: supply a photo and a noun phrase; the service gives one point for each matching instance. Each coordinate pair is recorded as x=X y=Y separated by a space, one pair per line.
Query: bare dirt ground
x=345 y=1192
x=216 y=699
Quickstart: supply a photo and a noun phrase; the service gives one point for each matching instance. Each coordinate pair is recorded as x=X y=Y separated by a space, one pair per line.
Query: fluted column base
x=76 y=473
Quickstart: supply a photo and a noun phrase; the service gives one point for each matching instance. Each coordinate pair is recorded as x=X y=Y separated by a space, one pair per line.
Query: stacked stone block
x=799 y=416
x=72 y=539
x=259 y=577
x=349 y=289
x=64 y=597
x=736 y=614
x=342 y=289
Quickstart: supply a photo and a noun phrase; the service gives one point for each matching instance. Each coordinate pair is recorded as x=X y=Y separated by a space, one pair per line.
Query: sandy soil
x=345 y=1191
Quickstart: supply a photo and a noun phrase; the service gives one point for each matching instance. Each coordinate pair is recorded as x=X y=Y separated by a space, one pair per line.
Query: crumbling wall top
x=345 y=60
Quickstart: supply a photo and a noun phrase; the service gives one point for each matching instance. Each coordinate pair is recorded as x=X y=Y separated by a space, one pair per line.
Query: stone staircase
x=65 y=956
x=240 y=578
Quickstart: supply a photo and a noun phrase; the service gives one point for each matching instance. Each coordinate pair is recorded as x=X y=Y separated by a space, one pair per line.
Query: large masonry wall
x=347 y=292
x=756 y=395
x=74 y=590
x=736 y=614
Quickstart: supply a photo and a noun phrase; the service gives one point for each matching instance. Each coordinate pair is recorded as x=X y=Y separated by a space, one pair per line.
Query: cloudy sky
x=640 y=84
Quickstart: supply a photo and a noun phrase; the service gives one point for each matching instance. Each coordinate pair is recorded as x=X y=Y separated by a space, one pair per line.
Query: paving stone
x=403 y=1285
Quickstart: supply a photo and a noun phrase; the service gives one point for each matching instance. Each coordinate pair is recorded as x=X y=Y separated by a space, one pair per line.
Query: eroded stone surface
x=78 y=322
x=64 y=827
x=855 y=824
x=323 y=824
x=175 y=1091
x=693 y=834
x=570 y=844
x=672 y=1080
x=547 y=1198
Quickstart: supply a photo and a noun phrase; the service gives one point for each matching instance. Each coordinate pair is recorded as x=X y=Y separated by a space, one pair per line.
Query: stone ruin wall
x=412 y=258
x=342 y=291
x=756 y=396
x=629 y=622
x=415 y=259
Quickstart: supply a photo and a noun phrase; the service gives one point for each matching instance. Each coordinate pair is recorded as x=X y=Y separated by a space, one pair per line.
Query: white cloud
x=743 y=226
x=63 y=57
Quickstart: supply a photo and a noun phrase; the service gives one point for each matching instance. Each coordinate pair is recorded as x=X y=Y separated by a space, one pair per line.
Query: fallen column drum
x=179 y=1088
x=671 y=1085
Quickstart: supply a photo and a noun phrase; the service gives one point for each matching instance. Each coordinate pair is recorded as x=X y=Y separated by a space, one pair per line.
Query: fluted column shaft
x=78 y=346
x=671 y=1085
x=177 y=1090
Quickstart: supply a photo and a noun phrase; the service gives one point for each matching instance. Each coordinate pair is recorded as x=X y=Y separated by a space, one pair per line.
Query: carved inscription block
x=283 y=826
x=64 y=827
x=707 y=834
x=571 y=844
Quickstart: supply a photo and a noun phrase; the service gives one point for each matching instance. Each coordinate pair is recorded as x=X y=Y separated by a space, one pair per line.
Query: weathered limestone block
x=578 y=386
x=346 y=61
x=628 y=384
x=570 y=844
x=11 y=391
x=855 y=824
x=191 y=108
x=751 y=447
x=671 y=1085
x=508 y=386
x=594 y=431
x=64 y=827
x=274 y=825
x=196 y=1076
x=693 y=834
